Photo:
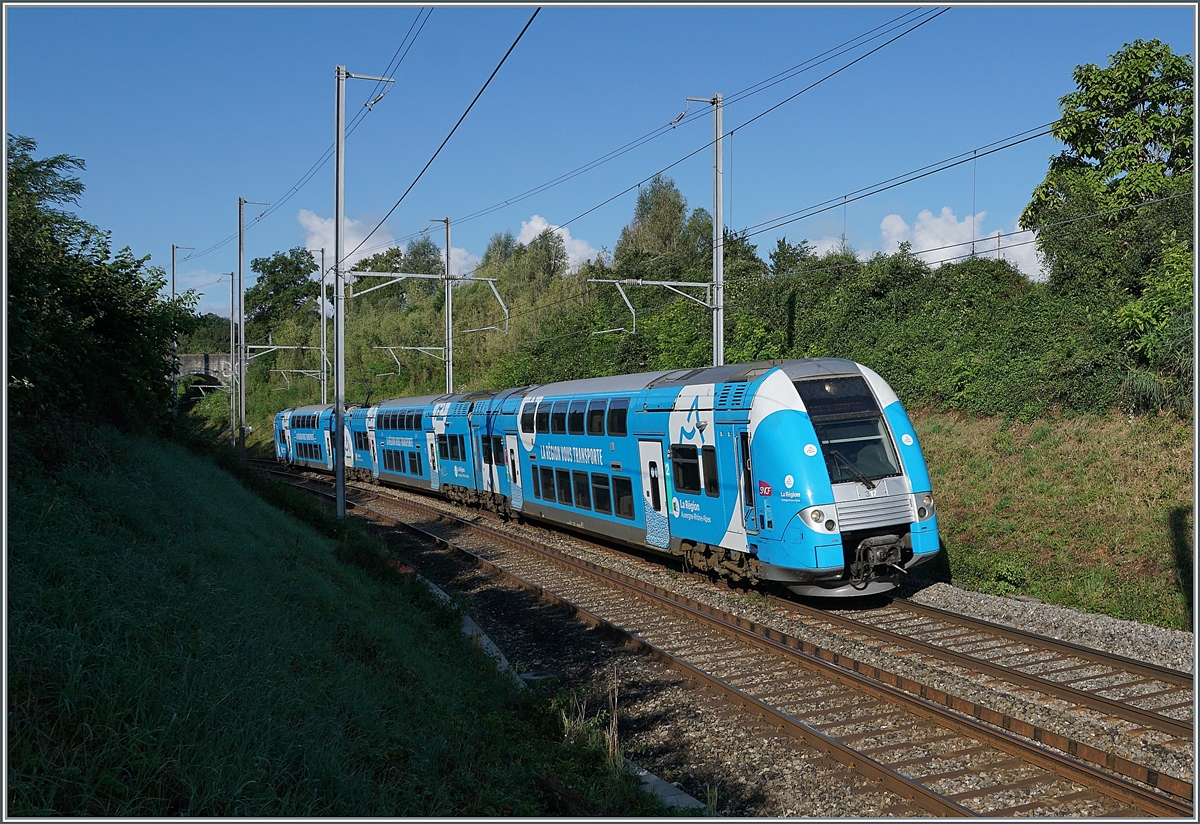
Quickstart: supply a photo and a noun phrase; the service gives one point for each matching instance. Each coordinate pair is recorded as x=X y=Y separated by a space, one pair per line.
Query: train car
x=401 y=438
x=804 y=472
x=303 y=436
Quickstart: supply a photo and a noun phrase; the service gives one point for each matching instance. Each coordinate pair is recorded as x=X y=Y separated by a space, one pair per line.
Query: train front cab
x=844 y=503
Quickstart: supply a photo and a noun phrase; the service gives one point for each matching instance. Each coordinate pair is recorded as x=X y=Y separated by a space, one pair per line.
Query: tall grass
x=1093 y=512
x=178 y=647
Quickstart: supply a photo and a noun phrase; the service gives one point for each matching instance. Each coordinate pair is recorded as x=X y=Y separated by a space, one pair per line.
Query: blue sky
x=178 y=111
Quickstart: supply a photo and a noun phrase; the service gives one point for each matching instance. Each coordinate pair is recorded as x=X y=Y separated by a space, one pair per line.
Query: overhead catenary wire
x=810 y=63
x=444 y=142
x=328 y=153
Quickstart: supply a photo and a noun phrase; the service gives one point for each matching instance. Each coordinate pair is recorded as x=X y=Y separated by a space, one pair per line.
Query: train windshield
x=850 y=428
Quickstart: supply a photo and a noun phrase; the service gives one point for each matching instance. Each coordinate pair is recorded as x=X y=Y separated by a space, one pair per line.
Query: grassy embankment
x=179 y=647
x=1093 y=512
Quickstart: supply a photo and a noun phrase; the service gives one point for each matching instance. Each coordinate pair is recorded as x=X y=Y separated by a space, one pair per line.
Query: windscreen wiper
x=854 y=470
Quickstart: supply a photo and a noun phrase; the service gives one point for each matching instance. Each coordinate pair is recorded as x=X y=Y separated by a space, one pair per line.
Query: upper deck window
x=558 y=420
x=542 y=419
x=618 y=411
x=595 y=417
x=575 y=417
x=527 y=417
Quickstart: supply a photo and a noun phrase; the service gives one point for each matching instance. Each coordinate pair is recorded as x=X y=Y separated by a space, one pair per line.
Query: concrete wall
x=217 y=367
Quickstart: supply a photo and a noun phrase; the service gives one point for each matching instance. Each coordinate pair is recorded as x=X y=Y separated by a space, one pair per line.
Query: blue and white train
x=803 y=472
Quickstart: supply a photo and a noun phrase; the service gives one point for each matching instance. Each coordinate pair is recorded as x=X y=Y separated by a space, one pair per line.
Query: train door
x=328 y=433
x=347 y=442
x=371 y=441
x=515 y=492
x=287 y=437
x=478 y=436
x=655 y=495
x=431 y=444
x=746 y=477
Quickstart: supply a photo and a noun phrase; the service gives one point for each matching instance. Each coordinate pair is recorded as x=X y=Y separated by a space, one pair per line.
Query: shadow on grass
x=1181 y=545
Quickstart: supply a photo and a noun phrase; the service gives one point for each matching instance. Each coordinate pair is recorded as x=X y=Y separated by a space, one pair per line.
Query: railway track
x=1148 y=695
x=933 y=753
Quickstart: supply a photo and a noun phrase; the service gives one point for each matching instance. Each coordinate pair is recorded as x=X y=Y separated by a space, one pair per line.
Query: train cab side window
x=443 y=448
x=547 y=484
x=485 y=449
x=583 y=498
x=563 y=477
x=600 y=494
x=622 y=490
x=618 y=411
x=527 y=418
x=542 y=420
x=456 y=447
x=685 y=467
x=498 y=450
x=595 y=417
x=558 y=418
x=575 y=417
x=712 y=485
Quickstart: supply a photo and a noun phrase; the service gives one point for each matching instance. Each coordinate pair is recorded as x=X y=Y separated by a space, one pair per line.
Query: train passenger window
x=547 y=484
x=527 y=418
x=712 y=486
x=618 y=410
x=485 y=449
x=655 y=495
x=534 y=478
x=443 y=448
x=564 y=486
x=408 y=421
x=685 y=466
x=558 y=419
x=387 y=459
x=583 y=498
x=542 y=420
x=600 y=494
x=455 y=448
x=622 y=489
x=576 y=416
x=414 y=463
x=595 y=417
x=417 y=421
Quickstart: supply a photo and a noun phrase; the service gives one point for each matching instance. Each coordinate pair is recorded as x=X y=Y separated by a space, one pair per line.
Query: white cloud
x=830 y=243
x=943 y=238
x=578 y=251
x=319 y=235
x=461 y=261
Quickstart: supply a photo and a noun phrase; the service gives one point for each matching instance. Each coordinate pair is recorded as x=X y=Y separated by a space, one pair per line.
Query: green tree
x=284 y=286
x=1127 y=129
x=89 y=335
x=209 y=334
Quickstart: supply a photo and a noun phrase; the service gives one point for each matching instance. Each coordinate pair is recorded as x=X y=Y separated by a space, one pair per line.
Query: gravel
x=1155 y=645
x=675 y=733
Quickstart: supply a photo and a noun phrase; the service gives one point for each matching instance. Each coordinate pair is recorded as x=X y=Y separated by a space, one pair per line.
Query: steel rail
x=1108 y=706
x=958 y=713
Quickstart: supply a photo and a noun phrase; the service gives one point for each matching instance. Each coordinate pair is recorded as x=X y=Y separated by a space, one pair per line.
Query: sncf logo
x=764 y=489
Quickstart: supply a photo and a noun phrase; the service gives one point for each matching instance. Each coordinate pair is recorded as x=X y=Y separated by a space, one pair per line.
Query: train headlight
x=924 y=506
x=921 y=512
x=830 y=525
x=817 y=515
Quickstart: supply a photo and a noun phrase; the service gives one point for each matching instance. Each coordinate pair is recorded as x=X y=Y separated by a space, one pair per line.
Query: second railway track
x=923 y=744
